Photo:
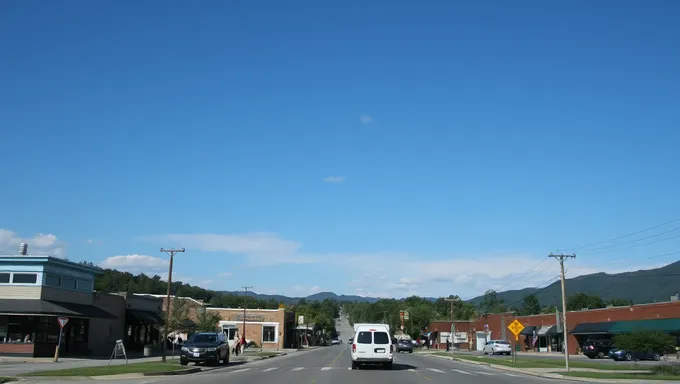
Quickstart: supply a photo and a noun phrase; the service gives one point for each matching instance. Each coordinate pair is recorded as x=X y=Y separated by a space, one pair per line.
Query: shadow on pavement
x=395 y=367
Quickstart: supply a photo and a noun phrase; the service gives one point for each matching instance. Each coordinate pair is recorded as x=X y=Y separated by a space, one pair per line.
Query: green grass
x=120 y=369
x=625 y=376
x=7 y=379
x=533 y=362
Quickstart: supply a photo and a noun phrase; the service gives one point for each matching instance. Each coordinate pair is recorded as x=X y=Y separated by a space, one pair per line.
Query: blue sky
x=374 y=148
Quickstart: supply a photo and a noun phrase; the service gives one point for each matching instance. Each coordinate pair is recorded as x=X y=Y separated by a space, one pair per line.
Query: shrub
x=667 y=369
x=645 y=342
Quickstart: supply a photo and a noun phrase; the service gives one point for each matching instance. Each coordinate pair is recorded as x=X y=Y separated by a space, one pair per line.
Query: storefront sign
x=460 y=337
x=249 y=317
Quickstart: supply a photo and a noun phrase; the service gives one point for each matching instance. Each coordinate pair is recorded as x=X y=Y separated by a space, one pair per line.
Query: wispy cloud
x=334 y=179
x=260 y=249
x=39 y=244
x=365 y=119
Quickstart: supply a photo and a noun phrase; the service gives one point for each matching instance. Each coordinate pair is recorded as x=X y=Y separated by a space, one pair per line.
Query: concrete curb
x=556 y=376
x=188 y=371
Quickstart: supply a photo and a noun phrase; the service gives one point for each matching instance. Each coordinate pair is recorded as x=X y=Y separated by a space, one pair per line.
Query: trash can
x=148 y=350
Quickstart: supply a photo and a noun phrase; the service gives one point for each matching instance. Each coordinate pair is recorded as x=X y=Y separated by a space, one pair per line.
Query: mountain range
x=643 y=286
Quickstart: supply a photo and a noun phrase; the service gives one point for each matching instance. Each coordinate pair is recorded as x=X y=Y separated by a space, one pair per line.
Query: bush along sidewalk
x=669 y=372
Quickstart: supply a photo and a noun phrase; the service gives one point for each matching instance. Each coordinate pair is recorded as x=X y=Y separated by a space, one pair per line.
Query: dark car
x=205 y=347
x=623 y=355
x=404 y=346
x=598 y=348
x=350 y=340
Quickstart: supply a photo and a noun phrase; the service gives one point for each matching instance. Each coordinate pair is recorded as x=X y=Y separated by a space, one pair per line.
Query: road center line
x=270 y=369
x=459 y=371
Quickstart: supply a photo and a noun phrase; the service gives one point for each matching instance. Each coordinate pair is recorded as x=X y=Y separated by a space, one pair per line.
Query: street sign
x=405 y=315
x=402 y=314
x=62 y=321
x=516 y=327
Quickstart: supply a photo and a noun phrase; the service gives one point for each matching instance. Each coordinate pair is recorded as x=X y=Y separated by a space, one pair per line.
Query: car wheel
x=354 y=365
x=226 y=358
x=388 y=366
x=590 y=356
x=600 y=355
x=411 y=351
x=656 y=357
x=183 y=362
x=629 y=357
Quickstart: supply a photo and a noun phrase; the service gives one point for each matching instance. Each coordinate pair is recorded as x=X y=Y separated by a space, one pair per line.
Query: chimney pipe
x=23 y=249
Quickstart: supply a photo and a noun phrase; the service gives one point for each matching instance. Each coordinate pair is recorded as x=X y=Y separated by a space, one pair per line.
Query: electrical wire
x=633 y=246
x=622 y=236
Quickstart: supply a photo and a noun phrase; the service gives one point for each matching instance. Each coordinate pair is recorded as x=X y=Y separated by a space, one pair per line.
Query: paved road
x=331 y=365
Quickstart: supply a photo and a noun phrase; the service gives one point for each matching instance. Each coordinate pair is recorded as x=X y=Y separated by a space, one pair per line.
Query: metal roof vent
x=23 y=249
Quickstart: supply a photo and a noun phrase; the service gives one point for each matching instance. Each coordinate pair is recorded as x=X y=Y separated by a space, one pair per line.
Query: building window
x=268 y=334
x=4 y=278
x=24 y=278
x=81 y=328
x=84 y=285
x=68 y=283
x=52 y=281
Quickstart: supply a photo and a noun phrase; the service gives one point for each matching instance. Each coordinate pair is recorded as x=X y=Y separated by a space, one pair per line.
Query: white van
x=372 y=344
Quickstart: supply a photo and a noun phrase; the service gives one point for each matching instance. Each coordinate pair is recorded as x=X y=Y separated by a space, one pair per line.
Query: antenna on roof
x=23 y=249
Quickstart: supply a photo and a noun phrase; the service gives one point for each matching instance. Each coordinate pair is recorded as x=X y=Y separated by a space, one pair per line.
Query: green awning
x=660 y=325
x=593 y=328
x=528 y=330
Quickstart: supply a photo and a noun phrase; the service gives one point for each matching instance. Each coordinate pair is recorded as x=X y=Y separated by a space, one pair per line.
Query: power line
x=550 y=282
x=622 y=236
x=525 y=273
x=636 y=245
x=625 y=261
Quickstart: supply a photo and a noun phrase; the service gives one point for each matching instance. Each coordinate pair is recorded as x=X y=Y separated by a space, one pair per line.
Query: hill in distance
x=651 y=285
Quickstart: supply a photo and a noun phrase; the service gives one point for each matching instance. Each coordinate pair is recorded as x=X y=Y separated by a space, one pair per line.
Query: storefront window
x=52 y=280
x=68 y=283
x=84 y=285
x=24 y=278
x=268 y=334
x=4 y=278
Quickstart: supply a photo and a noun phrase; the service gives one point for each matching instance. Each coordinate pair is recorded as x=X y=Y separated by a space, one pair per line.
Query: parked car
x=598 y=348
x=497 y=346
x=205 y=347
x=336 y=342
x=623 y=355
x=372 y=345
x=404 y=346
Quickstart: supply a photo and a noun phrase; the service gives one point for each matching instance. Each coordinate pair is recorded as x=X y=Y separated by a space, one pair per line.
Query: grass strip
x=619 y=376
x=118 y=369
x=533 y=362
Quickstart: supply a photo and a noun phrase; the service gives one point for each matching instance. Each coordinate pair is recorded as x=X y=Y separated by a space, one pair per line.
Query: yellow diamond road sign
x=515 y=327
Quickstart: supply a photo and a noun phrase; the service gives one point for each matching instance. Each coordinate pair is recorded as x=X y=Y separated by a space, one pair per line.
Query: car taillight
x=354 y=347
x=591 y=347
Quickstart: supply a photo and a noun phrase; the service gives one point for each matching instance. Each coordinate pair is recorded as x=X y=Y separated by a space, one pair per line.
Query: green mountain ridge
x=650 y=285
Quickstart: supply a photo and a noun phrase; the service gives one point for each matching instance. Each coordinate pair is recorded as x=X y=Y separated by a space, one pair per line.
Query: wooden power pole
x=561 y=258
x=451 y=300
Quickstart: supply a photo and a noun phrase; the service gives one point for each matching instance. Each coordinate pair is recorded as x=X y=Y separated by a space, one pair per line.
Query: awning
x=593 y=328
x=659 y=325
x=547 y=330
x=37 y=307
x=143 y=317
x=528 y=330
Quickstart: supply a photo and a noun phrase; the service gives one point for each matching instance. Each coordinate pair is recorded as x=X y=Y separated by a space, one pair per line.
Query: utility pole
x=170 y=252
x=561 y=258
x=245 y=288
x=451 y=300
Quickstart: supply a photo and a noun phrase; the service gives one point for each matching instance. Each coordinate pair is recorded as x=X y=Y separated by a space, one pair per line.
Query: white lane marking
x=298 y=369
x=326 y=368
x=436 y=370
x=241 y=370
x=270 y=369
x=459 y=371
x=411 y=370
x=486 y=373
x=511 y=375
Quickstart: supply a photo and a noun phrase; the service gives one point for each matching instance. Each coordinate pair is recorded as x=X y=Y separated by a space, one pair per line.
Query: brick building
x=581 y=326
x=268 y=328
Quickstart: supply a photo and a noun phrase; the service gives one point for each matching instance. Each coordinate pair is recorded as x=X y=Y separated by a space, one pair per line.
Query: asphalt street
x=331 y=365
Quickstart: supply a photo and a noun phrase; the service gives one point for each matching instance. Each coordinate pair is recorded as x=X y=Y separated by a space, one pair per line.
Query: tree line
x=422 y=311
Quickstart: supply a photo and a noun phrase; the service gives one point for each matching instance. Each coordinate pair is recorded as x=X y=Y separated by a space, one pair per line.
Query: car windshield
x=204 y=338
x=502 y=342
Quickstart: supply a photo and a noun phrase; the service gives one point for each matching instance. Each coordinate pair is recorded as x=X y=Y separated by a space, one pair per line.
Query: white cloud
x=40 y=244
x=334 y=179
x=365 y=119
x=135 y=263
x=304 y=291
x=260 y=248
x=224 y=274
